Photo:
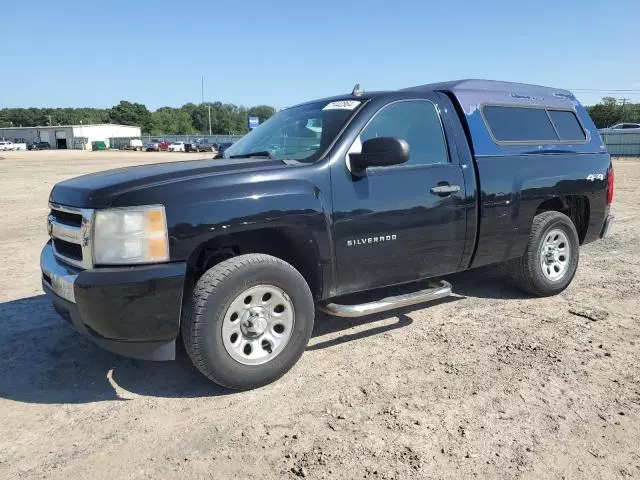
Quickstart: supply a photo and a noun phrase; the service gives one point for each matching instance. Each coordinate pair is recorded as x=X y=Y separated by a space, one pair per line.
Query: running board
x=438 y=290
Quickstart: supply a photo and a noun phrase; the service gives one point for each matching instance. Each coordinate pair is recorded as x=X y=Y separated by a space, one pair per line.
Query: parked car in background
x=156 y=145
x=625 y=126
x=190 y=146
x=134 y=144
x=7 y=145
x=222 y=147
x=40 y=146
x=176 y=147
x=201 y=145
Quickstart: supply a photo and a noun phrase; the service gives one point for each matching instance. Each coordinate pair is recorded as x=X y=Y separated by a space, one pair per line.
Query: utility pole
x=209 y=106
x=624 y=102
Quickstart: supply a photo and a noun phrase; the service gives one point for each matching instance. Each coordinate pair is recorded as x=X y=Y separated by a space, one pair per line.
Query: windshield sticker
x=342 y=105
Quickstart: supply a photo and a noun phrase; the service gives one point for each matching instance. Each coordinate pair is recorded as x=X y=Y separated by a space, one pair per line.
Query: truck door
x=404 y=222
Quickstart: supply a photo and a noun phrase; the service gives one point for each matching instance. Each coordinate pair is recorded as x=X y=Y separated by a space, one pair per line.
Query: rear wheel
x=248 y=321
x=551 y=258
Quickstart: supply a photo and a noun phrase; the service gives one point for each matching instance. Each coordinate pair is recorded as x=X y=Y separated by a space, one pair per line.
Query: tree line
x=188 y=119
x=611 y=111
x=226 y=118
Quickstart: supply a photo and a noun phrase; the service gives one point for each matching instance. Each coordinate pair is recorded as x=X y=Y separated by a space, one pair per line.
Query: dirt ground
x=488 y=383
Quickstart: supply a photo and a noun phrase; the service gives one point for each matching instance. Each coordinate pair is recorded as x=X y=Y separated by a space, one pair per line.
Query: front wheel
x=248 y=321
x=551 y=258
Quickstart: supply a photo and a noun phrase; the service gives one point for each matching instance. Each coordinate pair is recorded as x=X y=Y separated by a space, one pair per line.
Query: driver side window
x=417 y=122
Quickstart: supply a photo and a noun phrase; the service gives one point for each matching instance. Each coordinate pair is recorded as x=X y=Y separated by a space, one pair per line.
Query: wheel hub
x=258 y=324
x=552 y=255
x=254 y=322
x=555 y=254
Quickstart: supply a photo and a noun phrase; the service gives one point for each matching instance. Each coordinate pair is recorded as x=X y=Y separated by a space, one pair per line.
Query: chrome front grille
x=70 y=229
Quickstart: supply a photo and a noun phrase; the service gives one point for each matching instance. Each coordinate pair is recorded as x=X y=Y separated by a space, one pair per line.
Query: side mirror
x=380 y=152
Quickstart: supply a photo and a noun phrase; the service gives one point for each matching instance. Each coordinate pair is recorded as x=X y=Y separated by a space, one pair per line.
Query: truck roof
x=472 y=95
x=478 y=90
x=486 y=86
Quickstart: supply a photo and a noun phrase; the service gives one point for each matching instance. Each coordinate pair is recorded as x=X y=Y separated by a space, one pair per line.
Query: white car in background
x=625 y=126
x=176 y=147
x=7 y=145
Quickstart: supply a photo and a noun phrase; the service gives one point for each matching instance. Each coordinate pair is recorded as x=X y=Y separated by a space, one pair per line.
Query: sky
x=95 y=53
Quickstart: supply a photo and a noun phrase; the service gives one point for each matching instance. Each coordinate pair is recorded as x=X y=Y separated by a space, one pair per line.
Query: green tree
x=189 y=119
x=200 y=117
x=263 y=112
x=127 y=113
x=171 y=121
x=605 y=113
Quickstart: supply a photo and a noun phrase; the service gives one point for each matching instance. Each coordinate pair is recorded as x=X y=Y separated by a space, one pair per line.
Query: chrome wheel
x=555 y=253
x=258 y=325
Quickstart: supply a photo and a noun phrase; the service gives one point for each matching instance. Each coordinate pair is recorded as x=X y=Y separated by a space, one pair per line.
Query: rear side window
x=567 y=125
x=517 y=124
x=526 y=125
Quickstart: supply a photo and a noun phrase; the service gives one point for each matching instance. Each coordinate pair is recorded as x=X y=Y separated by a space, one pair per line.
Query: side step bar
x=438 y=290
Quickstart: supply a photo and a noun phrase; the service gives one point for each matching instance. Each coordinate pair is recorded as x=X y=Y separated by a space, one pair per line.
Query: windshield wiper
x=260 y=154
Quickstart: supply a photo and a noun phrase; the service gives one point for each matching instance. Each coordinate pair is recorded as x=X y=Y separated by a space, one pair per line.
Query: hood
x=99 y=190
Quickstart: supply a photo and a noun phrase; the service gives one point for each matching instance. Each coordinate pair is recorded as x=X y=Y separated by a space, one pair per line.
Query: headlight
x=130 y=235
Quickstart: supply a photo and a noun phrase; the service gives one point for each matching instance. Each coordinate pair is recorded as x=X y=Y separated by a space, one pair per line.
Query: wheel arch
x=576 y=207
x=294 y=244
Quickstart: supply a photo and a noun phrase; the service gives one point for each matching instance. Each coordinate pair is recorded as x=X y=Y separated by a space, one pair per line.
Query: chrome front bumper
x=57 y=276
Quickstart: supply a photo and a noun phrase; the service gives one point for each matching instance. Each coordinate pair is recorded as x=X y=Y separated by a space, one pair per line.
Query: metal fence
x=188 y=138
x=121 y=143
x=621 y=142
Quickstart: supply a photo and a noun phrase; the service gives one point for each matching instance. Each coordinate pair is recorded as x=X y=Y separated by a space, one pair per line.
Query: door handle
x=445 y=189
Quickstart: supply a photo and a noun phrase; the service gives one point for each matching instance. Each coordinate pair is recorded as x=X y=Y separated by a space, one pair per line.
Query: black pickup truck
x=201 y=145
x=325 y=199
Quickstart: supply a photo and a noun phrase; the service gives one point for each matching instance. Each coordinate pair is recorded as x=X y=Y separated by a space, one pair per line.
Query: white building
x=78 y=137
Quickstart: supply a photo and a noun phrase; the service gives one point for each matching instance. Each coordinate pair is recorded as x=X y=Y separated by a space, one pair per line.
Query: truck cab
x=328 y=198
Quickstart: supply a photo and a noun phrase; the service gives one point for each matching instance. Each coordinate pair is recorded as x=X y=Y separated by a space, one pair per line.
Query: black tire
x=204 y=313
x=527 y=270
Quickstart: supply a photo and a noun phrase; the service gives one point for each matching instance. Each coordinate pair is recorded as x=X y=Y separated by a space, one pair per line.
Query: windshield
x=300 y=133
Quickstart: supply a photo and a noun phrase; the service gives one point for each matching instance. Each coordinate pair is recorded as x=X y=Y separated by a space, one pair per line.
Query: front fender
x=287 y=203
x=202 y=209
